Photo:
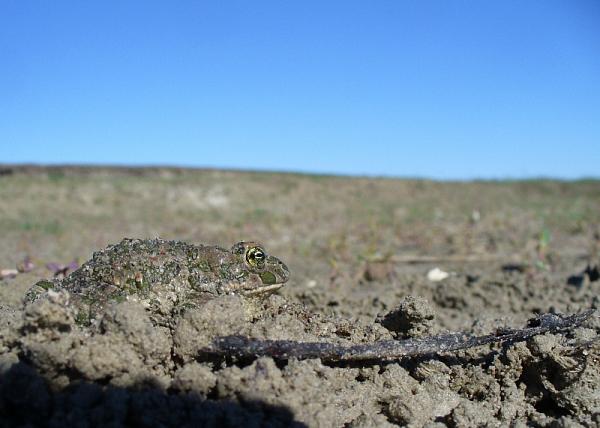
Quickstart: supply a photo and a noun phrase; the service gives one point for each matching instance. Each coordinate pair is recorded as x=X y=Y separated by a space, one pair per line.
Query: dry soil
x=358 y=249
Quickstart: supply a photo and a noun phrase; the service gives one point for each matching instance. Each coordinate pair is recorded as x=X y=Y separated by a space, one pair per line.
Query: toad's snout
x=279 y=269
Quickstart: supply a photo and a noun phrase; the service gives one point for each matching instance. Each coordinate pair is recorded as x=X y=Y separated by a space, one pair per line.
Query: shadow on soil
x=26 y=400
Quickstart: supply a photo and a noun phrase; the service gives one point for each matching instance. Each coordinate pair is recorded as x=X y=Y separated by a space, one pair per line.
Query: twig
x=243 y=347
x=462 y=258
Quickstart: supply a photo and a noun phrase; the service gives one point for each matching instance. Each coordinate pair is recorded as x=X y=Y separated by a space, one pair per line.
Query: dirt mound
x=128 y=371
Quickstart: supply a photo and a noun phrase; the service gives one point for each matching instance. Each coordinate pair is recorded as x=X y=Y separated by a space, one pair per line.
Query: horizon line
x=173 y=166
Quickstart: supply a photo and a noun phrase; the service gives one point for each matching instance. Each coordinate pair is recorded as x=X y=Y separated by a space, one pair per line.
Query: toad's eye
x=255 y=256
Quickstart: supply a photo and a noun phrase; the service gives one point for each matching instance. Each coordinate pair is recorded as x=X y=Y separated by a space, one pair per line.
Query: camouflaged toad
x=166 y=276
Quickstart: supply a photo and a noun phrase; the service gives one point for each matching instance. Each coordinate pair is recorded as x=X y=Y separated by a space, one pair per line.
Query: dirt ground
x=357 y=248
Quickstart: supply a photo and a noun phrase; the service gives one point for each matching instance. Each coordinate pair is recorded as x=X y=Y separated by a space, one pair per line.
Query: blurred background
x=434 y=89
x=349 y=137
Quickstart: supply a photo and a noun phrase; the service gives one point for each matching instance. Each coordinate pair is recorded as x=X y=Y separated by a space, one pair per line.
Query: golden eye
x=255 y=256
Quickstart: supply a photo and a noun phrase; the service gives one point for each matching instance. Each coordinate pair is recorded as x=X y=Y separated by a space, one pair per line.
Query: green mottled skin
x=165 y=276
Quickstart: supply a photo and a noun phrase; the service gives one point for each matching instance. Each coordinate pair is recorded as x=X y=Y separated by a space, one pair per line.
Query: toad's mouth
x=262 y=290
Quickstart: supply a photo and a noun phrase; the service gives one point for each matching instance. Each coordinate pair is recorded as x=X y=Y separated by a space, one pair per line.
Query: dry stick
x=460 y=258
x=243 y=347
x=467 y=258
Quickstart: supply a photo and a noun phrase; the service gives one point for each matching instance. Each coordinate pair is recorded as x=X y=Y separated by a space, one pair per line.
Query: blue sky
x=439 y=89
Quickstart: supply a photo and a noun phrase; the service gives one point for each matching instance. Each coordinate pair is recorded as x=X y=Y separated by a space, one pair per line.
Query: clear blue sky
x=440 y=89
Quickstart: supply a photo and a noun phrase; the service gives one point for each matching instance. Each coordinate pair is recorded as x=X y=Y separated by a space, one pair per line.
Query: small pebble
x=311 y=283
x=436 y=274
x=8 y=273
x=26 y=265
